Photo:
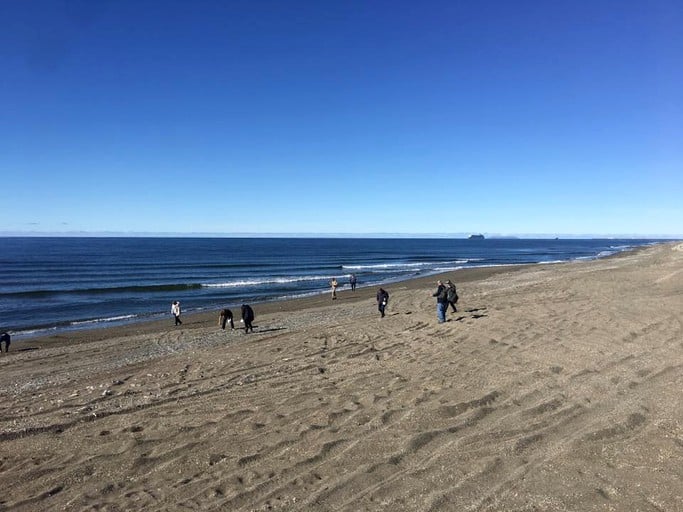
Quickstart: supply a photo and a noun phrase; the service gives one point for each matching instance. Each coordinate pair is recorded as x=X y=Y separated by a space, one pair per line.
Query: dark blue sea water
x=53 y=284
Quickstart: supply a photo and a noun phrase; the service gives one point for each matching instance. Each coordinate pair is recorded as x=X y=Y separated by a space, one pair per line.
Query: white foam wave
x=440 y=270
x=31 y=332
x=407 y=266
x=102 y=320
x=266 y=280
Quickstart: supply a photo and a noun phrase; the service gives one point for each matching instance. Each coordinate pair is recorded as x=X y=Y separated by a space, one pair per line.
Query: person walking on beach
x=247 y=318
x=352 y=282
x=441 y=301
x=451 y=295
x=382 y=300
x=175 y=311
x=225 y=317
x=334 y=284
x=6 y=339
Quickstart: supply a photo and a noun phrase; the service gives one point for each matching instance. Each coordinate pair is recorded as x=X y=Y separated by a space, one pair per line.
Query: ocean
x=49 y=285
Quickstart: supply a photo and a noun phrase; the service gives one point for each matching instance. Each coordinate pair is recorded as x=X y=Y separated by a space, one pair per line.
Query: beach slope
x=553 y=388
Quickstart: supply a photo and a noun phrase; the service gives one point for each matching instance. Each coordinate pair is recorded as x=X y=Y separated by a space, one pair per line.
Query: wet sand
x=554 y=387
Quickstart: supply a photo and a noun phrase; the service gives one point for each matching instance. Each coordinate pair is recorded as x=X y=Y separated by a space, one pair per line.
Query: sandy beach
x=553 y=388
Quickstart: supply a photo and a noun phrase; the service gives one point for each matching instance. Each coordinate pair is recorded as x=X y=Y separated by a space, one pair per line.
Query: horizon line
x=209 y=234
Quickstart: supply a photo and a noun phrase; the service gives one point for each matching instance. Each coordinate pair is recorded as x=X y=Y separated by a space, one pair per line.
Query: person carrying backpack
x=451 y=295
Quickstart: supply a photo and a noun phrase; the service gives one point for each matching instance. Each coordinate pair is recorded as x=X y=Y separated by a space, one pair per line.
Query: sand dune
x=553 y=388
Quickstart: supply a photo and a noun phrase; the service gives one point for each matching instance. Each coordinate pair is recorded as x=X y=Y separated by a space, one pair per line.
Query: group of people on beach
x=334 y=284
x=248 y=316
x=446 y=295
x=224 y=318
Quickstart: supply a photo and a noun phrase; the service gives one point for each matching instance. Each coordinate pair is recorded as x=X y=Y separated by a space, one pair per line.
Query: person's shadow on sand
x=269 y=329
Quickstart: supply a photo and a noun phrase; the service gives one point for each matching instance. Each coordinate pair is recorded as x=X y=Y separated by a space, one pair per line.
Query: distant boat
x=476 y=237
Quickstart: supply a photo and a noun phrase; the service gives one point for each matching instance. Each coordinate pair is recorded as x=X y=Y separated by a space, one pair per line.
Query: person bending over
x=225 y=317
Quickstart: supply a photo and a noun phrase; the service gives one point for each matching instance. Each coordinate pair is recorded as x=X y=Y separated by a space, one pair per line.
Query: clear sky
x=506 y=117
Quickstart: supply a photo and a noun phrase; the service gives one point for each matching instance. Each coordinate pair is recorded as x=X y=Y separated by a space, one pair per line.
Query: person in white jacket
x=175 y=311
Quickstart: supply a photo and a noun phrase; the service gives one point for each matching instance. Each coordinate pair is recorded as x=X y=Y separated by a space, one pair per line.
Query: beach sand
x=553 y=388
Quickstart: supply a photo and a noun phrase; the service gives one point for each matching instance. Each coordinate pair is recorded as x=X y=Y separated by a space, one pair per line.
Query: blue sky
x=525 y=117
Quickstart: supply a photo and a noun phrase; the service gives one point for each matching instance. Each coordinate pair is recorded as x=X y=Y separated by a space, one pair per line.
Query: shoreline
x=204 y=319
x=198 y=319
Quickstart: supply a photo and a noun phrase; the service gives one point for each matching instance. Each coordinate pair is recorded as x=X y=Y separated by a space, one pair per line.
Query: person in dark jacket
x=6 y=339
x=247 y=318
x=451 y=295
x=382 y=300
x=441 y=302
x=225 y=317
